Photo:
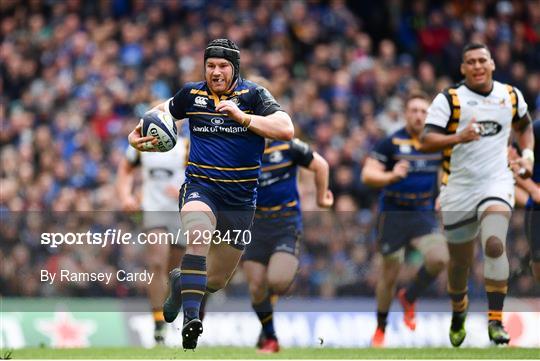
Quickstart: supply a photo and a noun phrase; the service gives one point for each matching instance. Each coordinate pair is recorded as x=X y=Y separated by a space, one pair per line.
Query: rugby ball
x=161 y=126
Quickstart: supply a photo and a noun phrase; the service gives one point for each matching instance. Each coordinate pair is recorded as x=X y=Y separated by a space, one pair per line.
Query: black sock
x=495 y=303
x=421 y=282
x=381 y=320
x=193 y=280
x=460 y=302
x=265 y=313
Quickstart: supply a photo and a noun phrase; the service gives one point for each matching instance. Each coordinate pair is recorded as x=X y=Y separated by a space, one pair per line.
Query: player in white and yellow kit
x=162 y=176
x=471 y=123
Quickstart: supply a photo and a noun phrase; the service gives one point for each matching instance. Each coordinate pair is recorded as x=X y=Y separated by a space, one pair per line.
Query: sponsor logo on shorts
x=194 y=195
x=275 y=157
x=285 y=248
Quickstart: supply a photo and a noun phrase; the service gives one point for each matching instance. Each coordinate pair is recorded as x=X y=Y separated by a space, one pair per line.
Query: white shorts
x=462 y=207
x=167 y=220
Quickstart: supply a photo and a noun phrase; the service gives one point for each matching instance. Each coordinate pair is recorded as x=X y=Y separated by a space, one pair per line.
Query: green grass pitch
x=243 y=353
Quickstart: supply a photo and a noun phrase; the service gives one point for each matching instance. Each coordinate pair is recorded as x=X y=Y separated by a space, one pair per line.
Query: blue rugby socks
x=265 y=313
x=193 y=278
x=422 y=281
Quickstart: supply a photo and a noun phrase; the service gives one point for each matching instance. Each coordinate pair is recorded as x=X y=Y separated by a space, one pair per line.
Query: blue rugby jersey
x=278 y=190
x=419 y=189
x=224 y=156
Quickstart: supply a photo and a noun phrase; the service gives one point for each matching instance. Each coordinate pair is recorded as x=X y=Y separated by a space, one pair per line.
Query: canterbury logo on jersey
x=200 y=101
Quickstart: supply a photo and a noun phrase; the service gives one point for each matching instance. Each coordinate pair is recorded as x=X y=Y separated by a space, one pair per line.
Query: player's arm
x=124 y=184
x=268 y=120
x=374 y=173
x=529 y=186
x=435 y=136
x=525 y=139
x=435 y=139
x=303 y=155
x=274 y=126
x=319 y=166
x=277 y=125
x=378 y=170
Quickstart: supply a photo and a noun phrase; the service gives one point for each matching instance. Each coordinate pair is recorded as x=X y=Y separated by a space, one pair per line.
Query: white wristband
x=528 y=154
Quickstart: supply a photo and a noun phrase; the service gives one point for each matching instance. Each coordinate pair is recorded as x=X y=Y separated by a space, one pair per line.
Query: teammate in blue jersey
x=532 y=188
x=409 y=182
x=271 y=261
x=229 y=117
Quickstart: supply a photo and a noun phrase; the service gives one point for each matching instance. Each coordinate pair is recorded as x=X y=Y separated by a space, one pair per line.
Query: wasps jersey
x=224 y=155
x=159 y=171
x=418 y=190
x=278 y=191
x=484 y=160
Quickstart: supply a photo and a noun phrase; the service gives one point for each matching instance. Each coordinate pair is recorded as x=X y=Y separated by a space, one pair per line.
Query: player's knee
x=257 y=290
x=157 y=266
x=494 y=247
x=279 y=287
x=437 y=263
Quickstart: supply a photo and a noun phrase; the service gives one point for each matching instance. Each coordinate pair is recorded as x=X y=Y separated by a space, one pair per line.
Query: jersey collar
x=484 y=94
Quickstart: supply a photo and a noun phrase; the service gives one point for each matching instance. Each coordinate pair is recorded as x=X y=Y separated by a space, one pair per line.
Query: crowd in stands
x=75 y=77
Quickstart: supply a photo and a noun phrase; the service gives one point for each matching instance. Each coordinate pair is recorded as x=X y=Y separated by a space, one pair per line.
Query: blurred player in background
x=271 y=260
x=409 y=182
x=530 y=188
x=229 y=117
x=162 y=176
x=472 y=122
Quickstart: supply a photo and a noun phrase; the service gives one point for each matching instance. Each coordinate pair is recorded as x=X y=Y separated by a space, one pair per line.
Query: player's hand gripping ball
x=161 y=126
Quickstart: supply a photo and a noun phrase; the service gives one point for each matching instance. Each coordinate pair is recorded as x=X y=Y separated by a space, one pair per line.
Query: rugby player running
x=229 y=117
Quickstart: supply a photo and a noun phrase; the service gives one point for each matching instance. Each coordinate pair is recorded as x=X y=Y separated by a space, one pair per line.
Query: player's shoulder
x=388 y=143
x=448 y=96
x=453 y=89
x=400 y=134
x=507 y=88
x=195 y=87
x=248 y=89
x=248 y=84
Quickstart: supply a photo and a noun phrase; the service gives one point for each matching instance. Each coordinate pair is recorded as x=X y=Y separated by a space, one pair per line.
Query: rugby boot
x=497 y=333
x=408 y=310
x=190 y=333
x=457 y=328
x=173 y=303
x=269 y=345
x=377 y=341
